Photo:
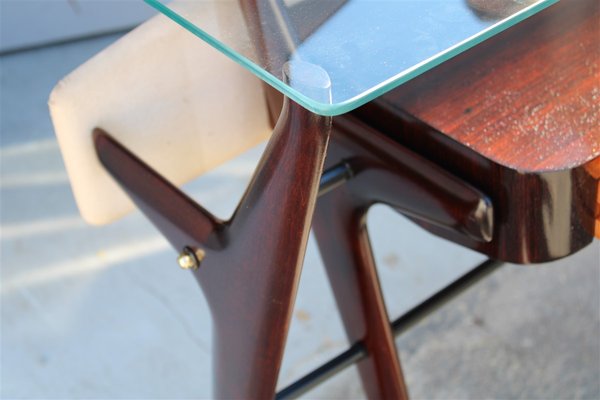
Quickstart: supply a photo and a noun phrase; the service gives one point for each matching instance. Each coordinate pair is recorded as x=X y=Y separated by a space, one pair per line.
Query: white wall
x=26 y=23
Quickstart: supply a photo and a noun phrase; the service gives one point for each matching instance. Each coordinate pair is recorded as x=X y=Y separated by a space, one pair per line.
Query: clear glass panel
x=332 y=56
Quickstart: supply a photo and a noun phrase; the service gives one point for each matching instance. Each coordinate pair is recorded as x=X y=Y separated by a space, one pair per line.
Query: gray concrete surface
x=100 y=313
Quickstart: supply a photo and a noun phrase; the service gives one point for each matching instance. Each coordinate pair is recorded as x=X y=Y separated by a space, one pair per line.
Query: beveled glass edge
x=437 y=59
x=261 y=73
x=327 y=109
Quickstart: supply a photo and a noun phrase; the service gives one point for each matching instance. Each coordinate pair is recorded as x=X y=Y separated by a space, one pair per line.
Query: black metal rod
x=324 y=372
x=335 y=177
x=450 y=292
x=358 y=351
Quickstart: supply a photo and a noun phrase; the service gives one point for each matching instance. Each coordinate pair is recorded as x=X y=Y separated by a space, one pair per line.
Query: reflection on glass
x=367 y=47
x=497 y=9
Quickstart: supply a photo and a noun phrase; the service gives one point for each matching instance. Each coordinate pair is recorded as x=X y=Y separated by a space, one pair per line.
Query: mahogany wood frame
x=252 y=264
x=253 y=261
x=384 y=172
x=518 y=117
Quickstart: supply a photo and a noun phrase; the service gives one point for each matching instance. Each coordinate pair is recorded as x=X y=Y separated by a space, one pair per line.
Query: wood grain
x=252 y=265
x=593 y=168
x=517 y=117
x=383 y=172
x=341 y=232
x=527 y=99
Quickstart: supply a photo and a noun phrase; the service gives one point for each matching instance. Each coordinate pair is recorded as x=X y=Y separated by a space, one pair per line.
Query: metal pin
x=190 y=259
x=335 y=177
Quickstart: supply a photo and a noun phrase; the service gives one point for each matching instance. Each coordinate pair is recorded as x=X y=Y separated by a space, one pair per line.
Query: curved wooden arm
x=252 y=264
x=179 y=218
x=387 y=173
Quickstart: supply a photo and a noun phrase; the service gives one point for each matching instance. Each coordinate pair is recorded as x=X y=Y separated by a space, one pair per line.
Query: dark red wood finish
x=340 y=228
x=495 y=150
x=517 y=117
x=253 y=261
x=527 y=98
x=384 y=172
x=593 y=168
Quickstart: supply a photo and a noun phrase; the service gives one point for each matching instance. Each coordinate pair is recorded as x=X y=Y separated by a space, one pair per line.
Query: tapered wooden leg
x=343 y=241
x=252 y=286
x=252 y=262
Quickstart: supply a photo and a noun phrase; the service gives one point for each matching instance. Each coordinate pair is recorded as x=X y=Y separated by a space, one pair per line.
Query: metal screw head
x=189 y=259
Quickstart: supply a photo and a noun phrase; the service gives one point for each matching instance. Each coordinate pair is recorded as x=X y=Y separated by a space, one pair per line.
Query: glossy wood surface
x=341 y=232
x=455 y=150
x=517 y=117
x=527 y=98
x=385 y=172
x=593 y=168
x=252 y=265
x=537 y=217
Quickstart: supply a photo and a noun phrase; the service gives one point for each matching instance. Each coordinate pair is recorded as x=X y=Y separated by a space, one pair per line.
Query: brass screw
x=189 y=259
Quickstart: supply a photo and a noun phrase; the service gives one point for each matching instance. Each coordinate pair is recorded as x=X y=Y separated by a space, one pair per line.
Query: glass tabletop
x=332 y=56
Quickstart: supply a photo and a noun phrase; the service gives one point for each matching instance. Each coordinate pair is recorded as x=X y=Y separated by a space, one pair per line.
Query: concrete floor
x=100 y=313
